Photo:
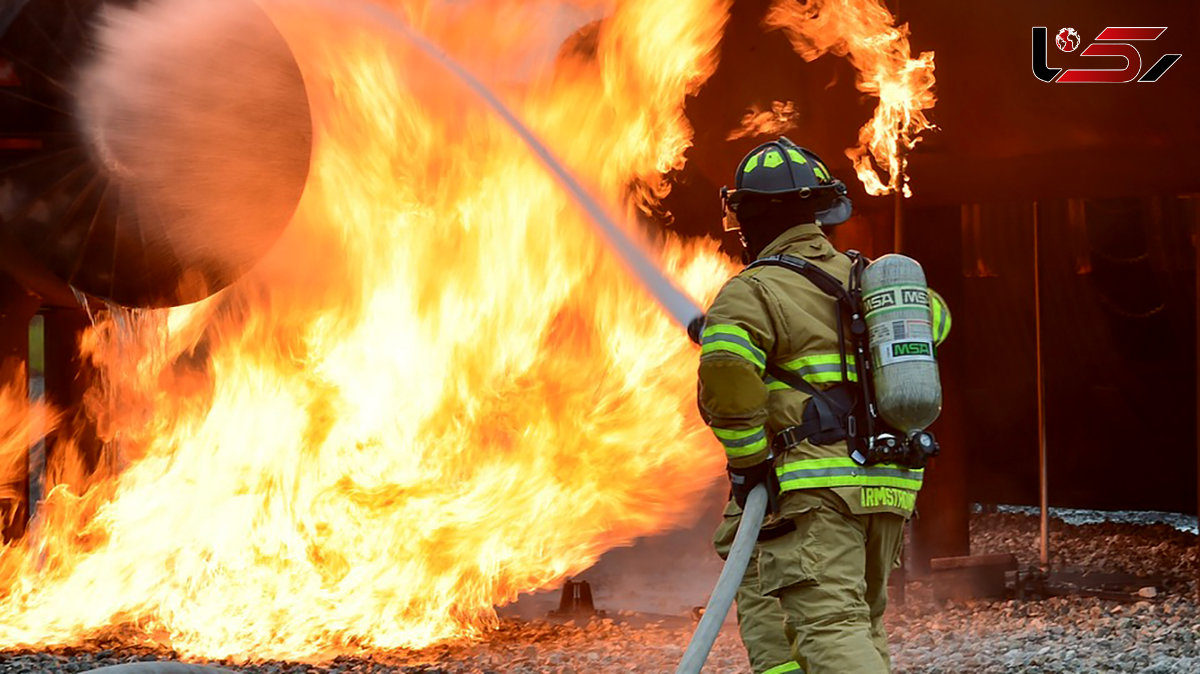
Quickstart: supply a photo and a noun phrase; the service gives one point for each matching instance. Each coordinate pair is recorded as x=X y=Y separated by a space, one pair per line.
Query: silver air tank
x=908 y=392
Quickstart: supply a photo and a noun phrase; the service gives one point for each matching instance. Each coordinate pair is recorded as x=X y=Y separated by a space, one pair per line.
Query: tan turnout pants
x=830 y=576
x=761 y=620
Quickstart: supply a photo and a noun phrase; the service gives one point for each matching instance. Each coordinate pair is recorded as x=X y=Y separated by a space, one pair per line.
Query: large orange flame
x=437 y=392
x=21 y=424
x=864 y=32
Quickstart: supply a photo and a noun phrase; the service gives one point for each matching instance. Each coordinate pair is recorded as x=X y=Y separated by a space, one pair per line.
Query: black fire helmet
x=781 y=176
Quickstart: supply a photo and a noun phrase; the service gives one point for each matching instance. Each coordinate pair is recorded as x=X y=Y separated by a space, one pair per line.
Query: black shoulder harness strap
x=827 y=408
x=830 y=285
x=823 y=280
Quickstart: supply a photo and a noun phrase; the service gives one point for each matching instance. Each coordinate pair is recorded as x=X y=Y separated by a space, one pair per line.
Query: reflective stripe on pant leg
x=792 y=666
x=761 y=625
x=826 y=601
x=885 y=535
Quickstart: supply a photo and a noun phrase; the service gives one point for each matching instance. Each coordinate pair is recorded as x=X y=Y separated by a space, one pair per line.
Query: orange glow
x=865 y=33
x=437 y=392
x=21 y=424
x=777 y=121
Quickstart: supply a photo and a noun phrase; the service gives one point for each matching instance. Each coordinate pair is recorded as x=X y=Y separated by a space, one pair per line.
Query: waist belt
x=826 y=420
x=794 y=435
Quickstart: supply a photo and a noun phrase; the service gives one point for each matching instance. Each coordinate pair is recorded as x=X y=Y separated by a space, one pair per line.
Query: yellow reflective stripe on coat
x=792 y=666
x=844 y=472
x=821 y=368
x=742 y=442
x=941 y=316
x=774 y=384
x=732 y=339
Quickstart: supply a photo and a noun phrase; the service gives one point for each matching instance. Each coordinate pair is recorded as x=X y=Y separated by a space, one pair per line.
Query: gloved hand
x=742 y=480
x=695 y=328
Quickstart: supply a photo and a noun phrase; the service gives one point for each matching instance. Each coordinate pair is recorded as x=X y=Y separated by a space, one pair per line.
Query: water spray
x=624 y=243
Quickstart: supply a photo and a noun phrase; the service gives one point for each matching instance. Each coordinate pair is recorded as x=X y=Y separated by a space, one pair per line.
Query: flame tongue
x=437 y=392
x=864 y=32
x=777 y=121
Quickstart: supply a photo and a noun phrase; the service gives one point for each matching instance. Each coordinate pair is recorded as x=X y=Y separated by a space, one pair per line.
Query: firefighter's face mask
x=752 y=208
x=729 y=221
x=736 y=209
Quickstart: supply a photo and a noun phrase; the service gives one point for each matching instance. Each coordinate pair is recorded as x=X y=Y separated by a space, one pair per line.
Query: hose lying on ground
x=159 y=668
x=727 y=583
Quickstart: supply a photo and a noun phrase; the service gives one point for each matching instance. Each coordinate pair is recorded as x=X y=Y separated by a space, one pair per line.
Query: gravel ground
x=518 y=647
x=1143 y=550
x=1062 y=634
x=1059 y=634
x=1077 y=516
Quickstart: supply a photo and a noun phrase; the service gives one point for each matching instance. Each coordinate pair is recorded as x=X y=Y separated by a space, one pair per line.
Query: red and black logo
x=1113 y=41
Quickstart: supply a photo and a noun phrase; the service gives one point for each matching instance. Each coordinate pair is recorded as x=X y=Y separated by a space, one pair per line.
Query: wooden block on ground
x=971 y=577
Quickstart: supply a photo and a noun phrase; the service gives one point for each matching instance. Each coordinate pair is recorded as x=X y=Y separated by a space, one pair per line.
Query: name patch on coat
x=872 y=497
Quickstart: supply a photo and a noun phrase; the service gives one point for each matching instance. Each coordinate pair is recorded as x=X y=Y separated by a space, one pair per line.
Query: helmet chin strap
x=747 y=257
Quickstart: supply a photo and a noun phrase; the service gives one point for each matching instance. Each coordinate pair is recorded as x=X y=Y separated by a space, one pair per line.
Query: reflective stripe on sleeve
x=822 y=368
x=774 y=384
x=732 y=339
x=741 y=442
x=792 y=666
x=844 y=472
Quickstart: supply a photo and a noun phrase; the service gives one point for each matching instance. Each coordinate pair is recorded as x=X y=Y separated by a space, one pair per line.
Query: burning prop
x=21 y=423
x=437 y=391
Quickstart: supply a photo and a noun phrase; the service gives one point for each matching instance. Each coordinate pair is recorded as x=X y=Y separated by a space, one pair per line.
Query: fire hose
x=727 y=583
x=159 y=668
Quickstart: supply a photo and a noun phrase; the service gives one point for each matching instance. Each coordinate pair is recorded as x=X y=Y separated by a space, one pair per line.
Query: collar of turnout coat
x=818 y=246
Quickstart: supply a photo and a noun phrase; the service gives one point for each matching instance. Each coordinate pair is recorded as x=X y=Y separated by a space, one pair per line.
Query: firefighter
x=829 y=569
